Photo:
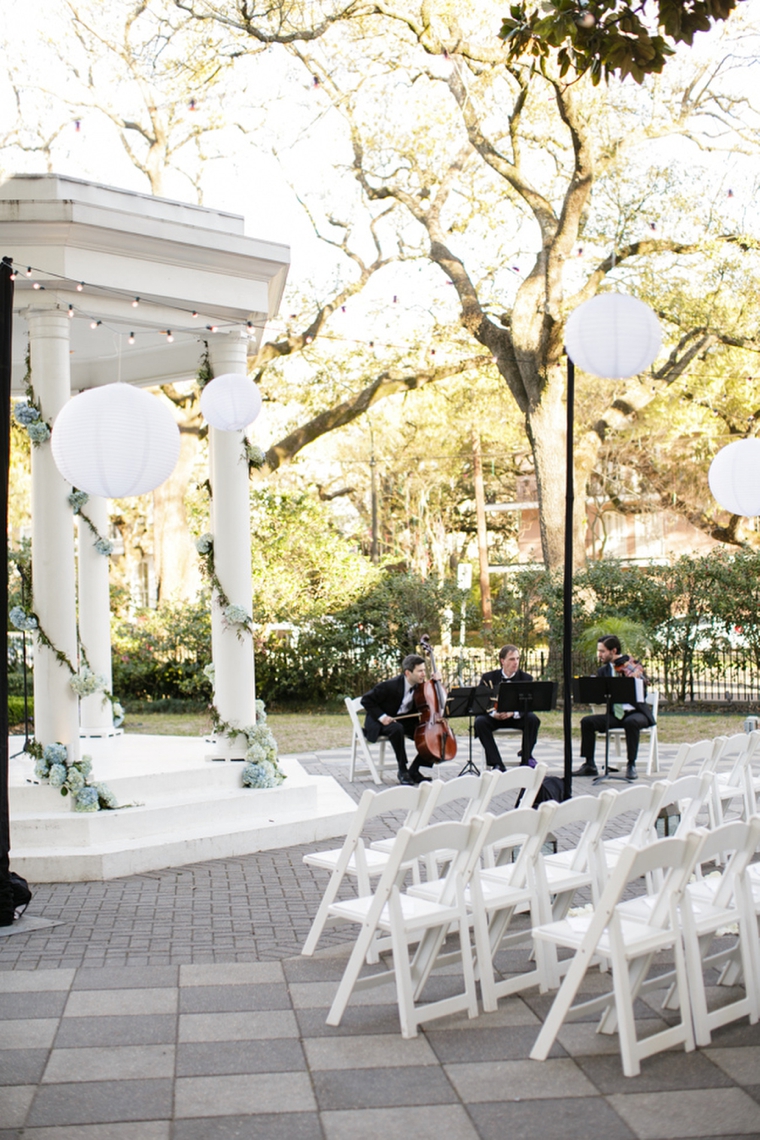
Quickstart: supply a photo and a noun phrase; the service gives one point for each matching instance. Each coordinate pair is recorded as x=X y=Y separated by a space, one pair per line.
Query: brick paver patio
x=174 y=1006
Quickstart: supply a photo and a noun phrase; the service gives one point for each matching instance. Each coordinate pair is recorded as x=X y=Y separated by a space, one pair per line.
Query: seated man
x=631 y=718
x=395 y=699
x=488 y=723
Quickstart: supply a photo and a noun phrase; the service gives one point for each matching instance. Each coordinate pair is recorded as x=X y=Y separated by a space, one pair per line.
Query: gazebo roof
x=178 y=259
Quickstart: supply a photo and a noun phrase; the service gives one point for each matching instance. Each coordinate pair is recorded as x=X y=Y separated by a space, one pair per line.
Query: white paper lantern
x=230 y=402
x=734 y=477
x=115 y=441
x=613 y=335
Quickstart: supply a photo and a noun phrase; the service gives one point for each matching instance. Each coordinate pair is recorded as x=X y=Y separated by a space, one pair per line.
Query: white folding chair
x=525 y=782
x=617 y=735
x=562 y=874
x=361 y=746
x=715 y=903
x=732 y=778
x=631 y=947
x=643 y=801
x=355 y=858
x=410 y=920
x=698 y=757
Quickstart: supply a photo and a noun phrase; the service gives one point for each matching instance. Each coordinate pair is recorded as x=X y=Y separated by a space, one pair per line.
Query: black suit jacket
x=383 y=700
x=495 y=678
x=640 y=706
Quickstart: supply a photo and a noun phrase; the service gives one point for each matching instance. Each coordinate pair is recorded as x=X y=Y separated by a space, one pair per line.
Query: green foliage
x=162 y=652
x=302 y=565
x=348 y=651
x=16 y=709
x=608 y=37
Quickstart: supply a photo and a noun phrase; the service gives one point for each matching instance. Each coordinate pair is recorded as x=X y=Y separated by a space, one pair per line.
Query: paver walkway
x=172 y=1006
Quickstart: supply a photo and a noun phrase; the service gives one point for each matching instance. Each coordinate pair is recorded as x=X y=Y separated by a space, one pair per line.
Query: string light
x=131 y=338
x=194 y=313
x=29 y=271
x=36 y=285
x=94 y=324
x=71 y=310
x=169 y=336
x=136 y=302
x=212 y=328
x=80 y=286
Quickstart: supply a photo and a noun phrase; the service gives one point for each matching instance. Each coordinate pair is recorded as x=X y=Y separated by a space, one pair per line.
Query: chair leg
x=351 y=973
x=561 y=1005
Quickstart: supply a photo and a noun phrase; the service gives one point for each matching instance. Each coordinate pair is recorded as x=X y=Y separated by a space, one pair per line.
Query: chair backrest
x=463 y=841
x=591 y=812
x=693 y=754
x=690 y=794
x=472 y=790
x=676 y=857
x=646 y=801
x=736 y=843
x=353 y=707
x=527 y=828
x=521 y=779
x=653 y=699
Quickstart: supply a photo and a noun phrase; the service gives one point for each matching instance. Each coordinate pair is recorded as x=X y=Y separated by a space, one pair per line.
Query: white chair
x=356 y=859
x=714 y=903
x=562 y=874
x=410 y=921
x=699 y=757
x=735 y=780
x=360 y=745
x=631 y=946
x=526 y=782
x=642 y=801
x=617 y=735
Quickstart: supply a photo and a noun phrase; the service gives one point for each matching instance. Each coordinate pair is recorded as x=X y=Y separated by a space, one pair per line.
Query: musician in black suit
x=488 y=723
x=631 y=718
x=392 y=699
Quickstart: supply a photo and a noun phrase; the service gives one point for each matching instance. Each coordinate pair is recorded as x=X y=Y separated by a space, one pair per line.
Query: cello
x=433 y=738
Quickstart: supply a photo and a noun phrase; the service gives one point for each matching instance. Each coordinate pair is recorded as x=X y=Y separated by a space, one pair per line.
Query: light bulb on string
x=80 y=286
x=131 y=338
x=136 y=302
x=169 y=336
x=195 y=314
x=71 y=310
x=94 y=324
x=29 y=271
x=36 y=285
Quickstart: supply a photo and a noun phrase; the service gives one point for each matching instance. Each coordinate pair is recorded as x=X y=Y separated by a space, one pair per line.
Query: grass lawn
x=300 y=732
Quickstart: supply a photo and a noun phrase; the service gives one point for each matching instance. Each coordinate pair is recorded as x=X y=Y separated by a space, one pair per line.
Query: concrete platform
x=182 y=809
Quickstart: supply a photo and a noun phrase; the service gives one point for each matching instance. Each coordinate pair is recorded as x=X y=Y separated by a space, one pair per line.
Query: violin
x=433 y=738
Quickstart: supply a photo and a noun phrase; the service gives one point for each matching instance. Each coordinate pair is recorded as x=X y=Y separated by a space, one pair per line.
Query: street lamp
x=613 y=336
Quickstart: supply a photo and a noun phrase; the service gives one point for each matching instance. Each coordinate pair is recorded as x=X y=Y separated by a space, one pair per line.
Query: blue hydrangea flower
x=104 y=546
x=85 y=766
x=75 y=781
x=77 y=500
x=22 y=620
x=106 y=797
x=41 y=768
x=56 y=754
x=236 y=615
x=57 y=775
x=259 y=775
x=204 y=543
x=86 y=800
x=26 y=414
x=38 y=433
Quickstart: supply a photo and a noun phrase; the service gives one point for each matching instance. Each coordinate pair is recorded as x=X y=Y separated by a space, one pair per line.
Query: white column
x=96 y=716
x=234 y=684
x=53 y=574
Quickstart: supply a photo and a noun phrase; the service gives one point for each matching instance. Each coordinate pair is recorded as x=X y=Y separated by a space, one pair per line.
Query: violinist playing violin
x=392 y=713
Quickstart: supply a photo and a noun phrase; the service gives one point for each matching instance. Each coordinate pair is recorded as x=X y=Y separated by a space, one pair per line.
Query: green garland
x=262 y=769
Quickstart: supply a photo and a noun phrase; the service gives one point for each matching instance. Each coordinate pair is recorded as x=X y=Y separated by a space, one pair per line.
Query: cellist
x=391 y=712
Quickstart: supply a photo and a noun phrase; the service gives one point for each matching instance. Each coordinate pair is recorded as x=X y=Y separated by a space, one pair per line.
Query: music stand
x=524 y=697
x=470 y=702
x=608 y=691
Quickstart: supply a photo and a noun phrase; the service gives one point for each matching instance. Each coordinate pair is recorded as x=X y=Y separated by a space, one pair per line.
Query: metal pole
x=567 y=588
x=6 y=331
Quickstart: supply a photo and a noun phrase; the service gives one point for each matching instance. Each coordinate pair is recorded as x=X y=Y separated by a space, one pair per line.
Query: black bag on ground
x=22 y=895
x=552 y=788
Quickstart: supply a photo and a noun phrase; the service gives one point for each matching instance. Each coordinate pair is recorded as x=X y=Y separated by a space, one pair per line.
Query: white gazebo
x=114 y=286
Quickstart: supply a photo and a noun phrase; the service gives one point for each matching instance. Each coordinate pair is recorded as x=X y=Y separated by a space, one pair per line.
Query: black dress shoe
x=416 y=777
x=496 y=767
x=630 y=772
x=405 y=778
x=587 y=770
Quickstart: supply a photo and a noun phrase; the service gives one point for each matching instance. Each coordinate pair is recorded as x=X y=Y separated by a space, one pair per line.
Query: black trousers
x=485 y=726
x=632 y=723
x=397 y=732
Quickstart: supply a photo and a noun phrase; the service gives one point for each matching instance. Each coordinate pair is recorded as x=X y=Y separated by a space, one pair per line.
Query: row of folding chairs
x=734 y=764
x=483 y=871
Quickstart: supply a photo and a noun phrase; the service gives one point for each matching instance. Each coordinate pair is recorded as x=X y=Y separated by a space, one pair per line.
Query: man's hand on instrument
x=384 y=719
x=436 y=676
